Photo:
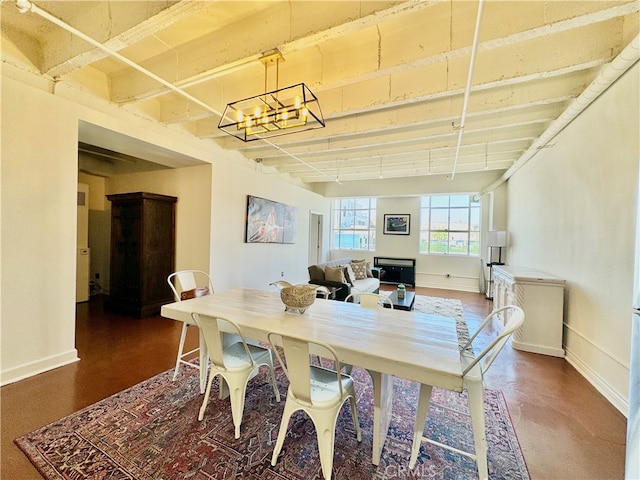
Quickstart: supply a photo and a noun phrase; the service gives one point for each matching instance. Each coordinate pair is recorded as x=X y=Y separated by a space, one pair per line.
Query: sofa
x=357 y=276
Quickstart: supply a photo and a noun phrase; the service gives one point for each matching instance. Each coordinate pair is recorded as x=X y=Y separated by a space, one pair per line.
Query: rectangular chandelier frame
x=285 y=110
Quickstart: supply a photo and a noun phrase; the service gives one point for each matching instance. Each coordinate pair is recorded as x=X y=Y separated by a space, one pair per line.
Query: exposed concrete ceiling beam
x=180 y=110
x=128 y=88
x=59 y=63
x=303 y=33
x=259 y=150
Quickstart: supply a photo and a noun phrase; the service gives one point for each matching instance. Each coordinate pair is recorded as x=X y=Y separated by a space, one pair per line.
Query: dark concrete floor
x=567 y=430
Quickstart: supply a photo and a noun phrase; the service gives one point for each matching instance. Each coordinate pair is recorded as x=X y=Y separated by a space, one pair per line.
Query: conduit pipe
x=607 y=76
x=467 y=90
x=25 y=6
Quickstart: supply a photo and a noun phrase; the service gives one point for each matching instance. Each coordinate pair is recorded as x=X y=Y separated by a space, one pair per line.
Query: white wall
x=571 y=213
x=39 y=174
x=254 y=265
x=39 y=182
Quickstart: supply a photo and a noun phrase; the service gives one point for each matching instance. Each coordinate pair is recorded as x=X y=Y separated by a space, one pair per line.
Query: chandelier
x=270 y=114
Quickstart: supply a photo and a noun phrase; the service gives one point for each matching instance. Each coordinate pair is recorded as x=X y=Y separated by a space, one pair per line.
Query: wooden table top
x=412 y=345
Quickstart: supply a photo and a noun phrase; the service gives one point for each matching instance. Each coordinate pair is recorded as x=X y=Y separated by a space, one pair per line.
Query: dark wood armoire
x=142 y=252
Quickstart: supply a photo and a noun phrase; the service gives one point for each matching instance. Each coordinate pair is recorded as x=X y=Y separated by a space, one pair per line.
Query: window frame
x=471 y=232
x=337 y=212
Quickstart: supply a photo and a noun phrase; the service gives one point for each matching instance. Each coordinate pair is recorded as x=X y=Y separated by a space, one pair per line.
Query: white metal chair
x=473 y=372
x=187 y=284
x=236 y=364
x=318 y=391
x=369 y=300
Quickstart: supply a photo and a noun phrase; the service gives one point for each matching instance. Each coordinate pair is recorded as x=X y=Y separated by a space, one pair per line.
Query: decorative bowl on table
x=298 y=297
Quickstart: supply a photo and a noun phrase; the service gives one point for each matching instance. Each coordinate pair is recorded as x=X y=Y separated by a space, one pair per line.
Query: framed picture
x=396 y=224
x=269 y=221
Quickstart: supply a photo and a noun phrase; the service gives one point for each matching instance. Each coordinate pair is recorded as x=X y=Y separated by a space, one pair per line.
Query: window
x=450 y=224
x=354 y=224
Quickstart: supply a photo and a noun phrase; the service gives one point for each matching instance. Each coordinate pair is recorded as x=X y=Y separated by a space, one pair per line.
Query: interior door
x=82 y=244
x=315 y=238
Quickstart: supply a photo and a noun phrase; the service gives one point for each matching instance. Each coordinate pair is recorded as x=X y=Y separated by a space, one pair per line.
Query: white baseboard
x=449 y=286
x=39 y=366
x=622 y=404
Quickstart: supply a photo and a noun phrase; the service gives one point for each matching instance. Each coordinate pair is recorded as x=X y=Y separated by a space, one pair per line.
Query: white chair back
x=297 y=351
x=473 y=372
x=486 y=357
x=210 y=328
x=199 y=283
x=369 y=300
x=185 y=280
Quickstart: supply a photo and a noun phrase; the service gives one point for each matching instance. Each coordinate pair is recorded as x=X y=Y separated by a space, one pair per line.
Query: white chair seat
x=235 y=356
x=324 y=385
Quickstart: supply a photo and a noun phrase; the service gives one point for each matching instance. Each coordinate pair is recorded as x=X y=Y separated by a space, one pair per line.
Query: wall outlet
x=282 y=274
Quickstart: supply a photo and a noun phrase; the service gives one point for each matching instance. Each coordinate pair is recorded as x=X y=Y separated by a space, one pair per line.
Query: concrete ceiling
x=390 y=76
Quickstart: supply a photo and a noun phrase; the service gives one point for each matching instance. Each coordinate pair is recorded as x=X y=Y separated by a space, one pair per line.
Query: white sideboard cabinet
x=541 y=296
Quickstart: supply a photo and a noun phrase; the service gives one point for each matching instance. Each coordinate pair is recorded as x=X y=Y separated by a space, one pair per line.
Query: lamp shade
x=497 y=238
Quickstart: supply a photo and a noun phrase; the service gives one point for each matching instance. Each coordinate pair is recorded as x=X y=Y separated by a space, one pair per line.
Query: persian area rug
x=151 y=432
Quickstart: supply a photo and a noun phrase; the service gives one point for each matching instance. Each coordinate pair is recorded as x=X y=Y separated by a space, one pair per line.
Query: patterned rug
x=150 y=432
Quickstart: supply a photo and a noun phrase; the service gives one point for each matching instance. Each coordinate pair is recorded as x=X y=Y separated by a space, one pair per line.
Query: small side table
x=405 y=303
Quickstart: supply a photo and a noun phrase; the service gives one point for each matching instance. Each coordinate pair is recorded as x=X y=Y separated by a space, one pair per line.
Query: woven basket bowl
x=298 y=297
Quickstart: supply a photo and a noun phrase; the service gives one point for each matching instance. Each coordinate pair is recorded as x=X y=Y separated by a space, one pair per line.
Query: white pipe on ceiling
x=28 y=6
x=467 y=90
x=25 y=6
x=607 y=76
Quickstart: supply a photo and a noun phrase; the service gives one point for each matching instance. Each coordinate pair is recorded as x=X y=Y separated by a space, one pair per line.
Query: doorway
x=316 y=221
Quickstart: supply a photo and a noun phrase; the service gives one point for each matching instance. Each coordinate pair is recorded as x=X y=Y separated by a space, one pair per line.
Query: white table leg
x=382 y=402
x=422 y=413
x=476 y=407
x=204 y=362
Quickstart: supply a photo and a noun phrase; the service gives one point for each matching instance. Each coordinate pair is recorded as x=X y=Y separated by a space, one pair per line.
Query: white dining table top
x=411 y=345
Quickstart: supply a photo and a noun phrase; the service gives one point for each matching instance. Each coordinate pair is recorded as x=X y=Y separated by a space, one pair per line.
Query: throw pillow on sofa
x=334 y=274
x=359 y=269
x=349 y=274
x=316 y=273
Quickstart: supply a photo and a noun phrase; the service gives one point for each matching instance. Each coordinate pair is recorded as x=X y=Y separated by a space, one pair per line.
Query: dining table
x=387 y=343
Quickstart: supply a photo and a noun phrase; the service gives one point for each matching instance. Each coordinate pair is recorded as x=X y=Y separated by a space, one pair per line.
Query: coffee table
x=405 y=303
